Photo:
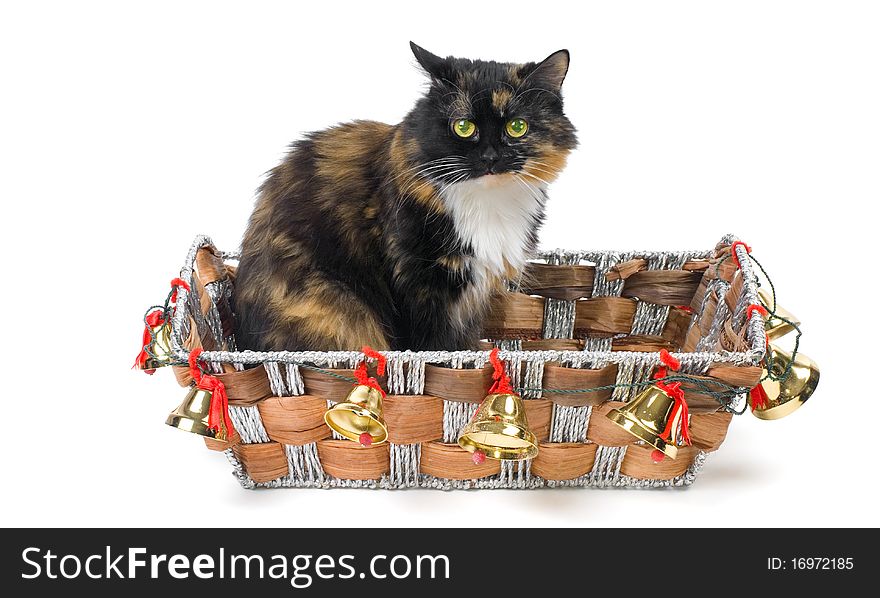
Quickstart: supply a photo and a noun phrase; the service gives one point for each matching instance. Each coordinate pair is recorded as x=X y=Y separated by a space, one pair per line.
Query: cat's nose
x=489 y=158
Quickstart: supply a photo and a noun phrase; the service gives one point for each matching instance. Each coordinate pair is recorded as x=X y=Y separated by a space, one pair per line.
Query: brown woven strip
x=539 y=412
x=222 y=445
x=663 y=287
x=452 y=462
x=294 y=420
x=641 y=342
x=210 y=266
x=699 y=402
x=613 y=315
x=463 y=386
x=182 y=375
x=605 y=432
x=560 y=378
x=330 y=388
x=567 y=282
x=413 y=418
x=747 y=376
x=553 y=344
x=564 y=460
x=514 y=315
x=348 y=460
x=637 y=463
x=247 y=387
x=624 y=270
x=676 y=326
x=708 y=431
x=262 y=462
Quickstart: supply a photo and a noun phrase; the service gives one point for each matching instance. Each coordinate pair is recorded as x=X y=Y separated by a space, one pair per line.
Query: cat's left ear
x=435 y=66
x=550 y=72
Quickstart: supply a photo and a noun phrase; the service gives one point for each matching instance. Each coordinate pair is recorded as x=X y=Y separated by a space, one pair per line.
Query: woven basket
x=582 y=320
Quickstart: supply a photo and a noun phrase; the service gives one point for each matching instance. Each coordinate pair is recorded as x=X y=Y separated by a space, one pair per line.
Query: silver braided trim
x=405 y=463
x=406 y=375
x=569 y=424
x=456 y=416
x=248 y=424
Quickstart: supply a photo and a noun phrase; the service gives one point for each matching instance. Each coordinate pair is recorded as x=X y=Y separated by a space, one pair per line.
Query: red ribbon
x=754 y=307
x=178 y=282
x=219 y=411
x=759 y=398
x=675 y=391
x=360 y=372
x=502 y=380
x=733 y=252
x=154 y=318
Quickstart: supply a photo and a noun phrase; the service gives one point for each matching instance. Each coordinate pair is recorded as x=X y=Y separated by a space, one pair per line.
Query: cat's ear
x=550 y=72
x=435 y=66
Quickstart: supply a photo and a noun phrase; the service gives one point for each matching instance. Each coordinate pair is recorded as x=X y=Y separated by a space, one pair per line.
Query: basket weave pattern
x=576 y=320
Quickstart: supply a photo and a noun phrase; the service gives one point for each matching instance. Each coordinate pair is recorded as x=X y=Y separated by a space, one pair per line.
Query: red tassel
x=502 y=380
x=669 y=361
x=177 y=282
x=758 y=308
x=681 y=407
x=759 y=398
x=360 y=372
x=153 y=319
x=219 y=411
x=733 y=252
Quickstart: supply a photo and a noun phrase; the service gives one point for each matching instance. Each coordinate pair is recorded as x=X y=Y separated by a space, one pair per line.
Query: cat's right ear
x=435 y=66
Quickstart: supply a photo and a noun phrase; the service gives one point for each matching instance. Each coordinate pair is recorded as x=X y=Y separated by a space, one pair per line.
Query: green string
x=724 y=397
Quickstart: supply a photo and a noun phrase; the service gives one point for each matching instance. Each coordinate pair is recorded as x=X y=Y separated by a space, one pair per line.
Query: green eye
x=464 y=128
x=517 y=127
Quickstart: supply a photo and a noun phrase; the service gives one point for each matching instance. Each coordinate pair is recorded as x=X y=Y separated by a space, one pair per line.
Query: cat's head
x=483 y=118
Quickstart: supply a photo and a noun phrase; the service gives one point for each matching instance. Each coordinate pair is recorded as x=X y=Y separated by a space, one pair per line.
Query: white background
x=129 y=128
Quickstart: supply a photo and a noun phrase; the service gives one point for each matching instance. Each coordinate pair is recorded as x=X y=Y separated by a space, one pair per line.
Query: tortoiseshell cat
x=397 y=236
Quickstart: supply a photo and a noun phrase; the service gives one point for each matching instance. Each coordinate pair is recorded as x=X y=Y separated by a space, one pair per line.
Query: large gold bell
x=159 y=353
x=192 y=415
x=646 y=417
x=500 y=429
x=359 y=417
x=774 y=325
x=782 y=397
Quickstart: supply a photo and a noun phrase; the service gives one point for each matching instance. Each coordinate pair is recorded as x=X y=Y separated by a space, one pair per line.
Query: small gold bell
x=647 y=416
x=779 y=398
x=192 y=415
x=500 y=429
x=159 y=349
x=774 y=325
x=359 y=416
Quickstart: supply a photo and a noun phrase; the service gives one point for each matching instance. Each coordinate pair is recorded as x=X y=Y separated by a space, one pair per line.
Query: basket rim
x=753 y=356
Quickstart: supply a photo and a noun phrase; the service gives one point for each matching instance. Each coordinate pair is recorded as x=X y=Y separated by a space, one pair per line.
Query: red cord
x=154 y=318
x=360 y=373
x=219 y=410
x=733 y=252
x=675 y=391
x=178 y=282
x=669 y=361
x=758 y=308
x=502 y=380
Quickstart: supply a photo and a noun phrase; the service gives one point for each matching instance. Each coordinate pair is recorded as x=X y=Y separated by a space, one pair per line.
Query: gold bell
x=160 y=348
x=192 y=415
x=782 y=397
x=647 y=416
x=774 y=325
x=359 y=416
x=500 y=429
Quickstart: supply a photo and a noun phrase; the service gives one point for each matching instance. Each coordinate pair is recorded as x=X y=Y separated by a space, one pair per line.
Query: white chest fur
x=495 y=215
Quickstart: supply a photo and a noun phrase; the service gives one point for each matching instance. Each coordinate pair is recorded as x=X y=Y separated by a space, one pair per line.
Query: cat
x=397 y=236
